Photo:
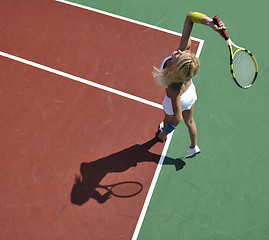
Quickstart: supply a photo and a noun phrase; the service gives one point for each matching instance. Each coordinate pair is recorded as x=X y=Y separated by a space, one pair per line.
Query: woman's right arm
x=194 y=17
x=209 y=22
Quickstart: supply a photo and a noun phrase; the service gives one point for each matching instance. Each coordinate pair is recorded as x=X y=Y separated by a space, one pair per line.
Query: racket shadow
x=87 y=185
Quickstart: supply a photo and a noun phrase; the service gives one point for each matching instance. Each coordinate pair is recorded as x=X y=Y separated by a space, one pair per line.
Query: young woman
x=176 y=75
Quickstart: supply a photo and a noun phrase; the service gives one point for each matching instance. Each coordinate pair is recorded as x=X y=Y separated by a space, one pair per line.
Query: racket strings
x=243 y=68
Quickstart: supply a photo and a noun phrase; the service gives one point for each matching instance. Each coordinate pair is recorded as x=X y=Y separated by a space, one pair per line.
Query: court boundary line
x=152 y=187
x=81 y=80
x=201 y=41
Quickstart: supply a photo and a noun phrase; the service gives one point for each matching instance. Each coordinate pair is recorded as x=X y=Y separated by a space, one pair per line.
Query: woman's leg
x=190 y=123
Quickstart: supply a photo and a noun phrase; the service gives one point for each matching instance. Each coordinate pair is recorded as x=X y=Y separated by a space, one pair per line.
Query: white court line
x=81 y=80
x=151 y=188
x=167 y=143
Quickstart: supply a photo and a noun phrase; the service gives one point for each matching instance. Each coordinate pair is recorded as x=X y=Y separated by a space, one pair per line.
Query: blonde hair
x=185 y=69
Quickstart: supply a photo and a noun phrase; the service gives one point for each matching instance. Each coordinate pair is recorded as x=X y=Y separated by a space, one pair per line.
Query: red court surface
x=50 y=125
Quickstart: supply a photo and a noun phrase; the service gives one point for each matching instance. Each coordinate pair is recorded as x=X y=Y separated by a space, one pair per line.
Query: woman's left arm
x=185 y=42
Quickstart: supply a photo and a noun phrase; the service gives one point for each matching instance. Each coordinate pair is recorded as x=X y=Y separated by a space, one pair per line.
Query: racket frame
x=231 y=44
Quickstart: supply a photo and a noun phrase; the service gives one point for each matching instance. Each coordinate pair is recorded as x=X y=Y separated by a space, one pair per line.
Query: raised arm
x=195 y=17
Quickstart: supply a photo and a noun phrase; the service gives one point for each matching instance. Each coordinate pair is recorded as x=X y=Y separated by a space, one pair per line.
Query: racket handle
x=223 y=33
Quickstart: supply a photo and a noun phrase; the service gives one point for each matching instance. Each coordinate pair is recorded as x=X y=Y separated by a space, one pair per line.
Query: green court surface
x=223 y=192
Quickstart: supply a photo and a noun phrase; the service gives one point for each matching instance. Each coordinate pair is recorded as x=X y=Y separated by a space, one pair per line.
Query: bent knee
x=189 y=122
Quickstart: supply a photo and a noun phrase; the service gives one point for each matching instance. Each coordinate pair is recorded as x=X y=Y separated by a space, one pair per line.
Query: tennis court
x=78 y=99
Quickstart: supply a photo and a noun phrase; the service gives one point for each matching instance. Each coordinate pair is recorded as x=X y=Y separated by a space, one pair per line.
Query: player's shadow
x=86 y=186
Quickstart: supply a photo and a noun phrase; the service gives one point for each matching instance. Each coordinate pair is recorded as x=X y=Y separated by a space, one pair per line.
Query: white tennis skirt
x=187 y=99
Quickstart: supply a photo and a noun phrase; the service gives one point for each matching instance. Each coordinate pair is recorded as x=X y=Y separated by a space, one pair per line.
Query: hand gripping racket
x=243 y=65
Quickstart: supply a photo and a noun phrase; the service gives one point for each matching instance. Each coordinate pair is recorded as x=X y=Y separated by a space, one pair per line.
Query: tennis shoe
x=192 y=152
x=160 y=129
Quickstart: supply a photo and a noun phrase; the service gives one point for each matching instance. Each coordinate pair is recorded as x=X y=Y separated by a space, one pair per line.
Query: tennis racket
x=123 y=189
x=243 y=65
